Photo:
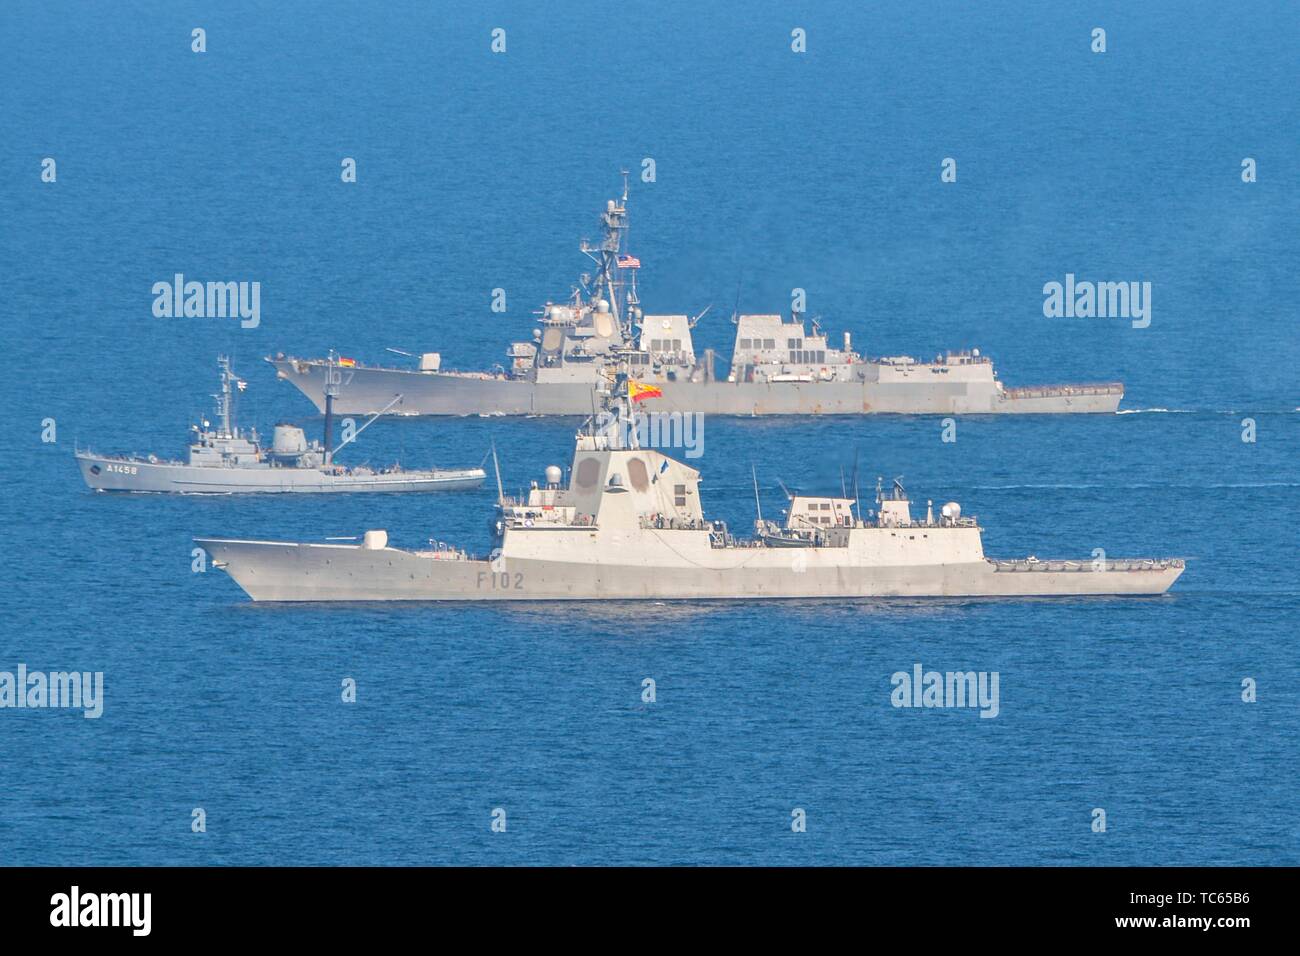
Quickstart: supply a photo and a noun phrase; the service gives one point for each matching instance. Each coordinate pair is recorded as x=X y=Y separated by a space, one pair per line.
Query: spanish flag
x=347 y=362
x=639 y=391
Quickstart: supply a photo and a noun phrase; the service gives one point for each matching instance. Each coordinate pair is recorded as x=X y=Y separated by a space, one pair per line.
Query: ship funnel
x=288 y=441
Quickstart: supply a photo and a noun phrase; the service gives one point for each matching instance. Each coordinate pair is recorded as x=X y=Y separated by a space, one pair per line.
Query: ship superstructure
x=779 y=365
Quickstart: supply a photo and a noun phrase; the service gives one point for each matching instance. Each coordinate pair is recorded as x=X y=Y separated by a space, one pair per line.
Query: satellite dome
x=553 y=474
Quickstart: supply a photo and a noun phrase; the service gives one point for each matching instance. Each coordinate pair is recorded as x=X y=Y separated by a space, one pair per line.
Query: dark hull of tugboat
x=105 y=473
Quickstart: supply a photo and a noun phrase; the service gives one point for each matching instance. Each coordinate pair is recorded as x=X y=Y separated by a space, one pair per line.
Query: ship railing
x=442 y=551
x=965 y=521
x=966 y=358
x=496 y=373
x=670 y=523
x=540 y=520
x=734 y=542
x=557 y=518
x=302 y=365
x=1119 y=564
x=133 y=459
x=1059 y=391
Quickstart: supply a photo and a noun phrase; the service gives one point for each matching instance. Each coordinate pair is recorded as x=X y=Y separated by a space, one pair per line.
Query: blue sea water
x=775 y=170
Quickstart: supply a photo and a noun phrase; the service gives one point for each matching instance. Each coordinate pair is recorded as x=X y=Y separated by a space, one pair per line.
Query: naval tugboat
x=225 y=459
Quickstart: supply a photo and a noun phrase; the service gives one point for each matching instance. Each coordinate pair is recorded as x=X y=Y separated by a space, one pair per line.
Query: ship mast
x=625 y=401
x=223 y=400
x=331 y=390
x=609 y=284
x=496 y=466
x=630 y=299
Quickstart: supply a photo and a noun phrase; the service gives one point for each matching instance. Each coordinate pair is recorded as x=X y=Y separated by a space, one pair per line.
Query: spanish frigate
x=778 y=366
x=225 y=459
x=629 y=525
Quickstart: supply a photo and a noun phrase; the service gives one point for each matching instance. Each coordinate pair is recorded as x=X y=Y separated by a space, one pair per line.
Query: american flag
x=629 y=262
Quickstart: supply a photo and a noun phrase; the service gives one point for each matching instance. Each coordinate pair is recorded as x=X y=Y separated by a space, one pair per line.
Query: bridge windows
x=807 y=357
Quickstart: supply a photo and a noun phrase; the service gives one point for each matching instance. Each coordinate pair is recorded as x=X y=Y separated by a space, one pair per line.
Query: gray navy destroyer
x=229 y=460
x=628 y=525
x=779 y=366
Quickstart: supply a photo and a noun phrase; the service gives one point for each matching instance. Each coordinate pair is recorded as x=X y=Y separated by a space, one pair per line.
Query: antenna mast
x=857 y=498
x=496 y=466
x=223 y=400
x=613 y=227
x=330 y=391
x=631 y=299
x=625 y=290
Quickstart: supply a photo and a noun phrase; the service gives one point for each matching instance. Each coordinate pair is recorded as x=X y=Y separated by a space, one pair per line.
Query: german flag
x=639 y=391
x=347 y=362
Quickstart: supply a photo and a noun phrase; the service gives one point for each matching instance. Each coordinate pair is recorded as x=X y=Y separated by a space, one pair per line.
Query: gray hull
x=104 y=473
x=366 y=390
x=289 y=572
